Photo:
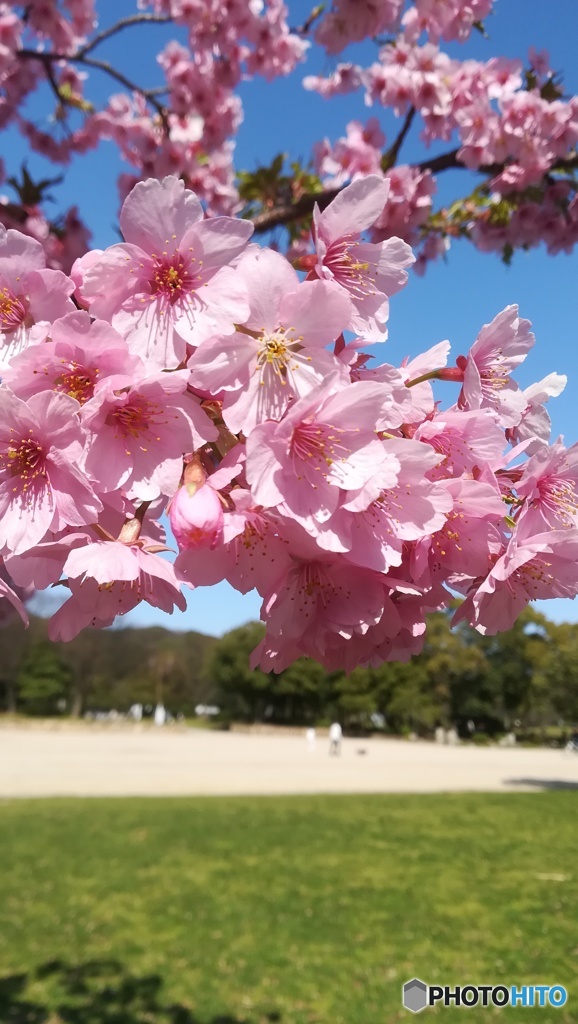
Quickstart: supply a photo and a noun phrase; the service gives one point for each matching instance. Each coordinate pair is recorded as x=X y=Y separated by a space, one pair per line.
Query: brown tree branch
x=389 y=159
x=287 y=213
x=444 y=162
x=48 y=59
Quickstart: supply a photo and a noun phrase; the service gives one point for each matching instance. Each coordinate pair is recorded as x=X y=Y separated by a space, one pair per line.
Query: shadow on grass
x=98 y=992
x=542 y=783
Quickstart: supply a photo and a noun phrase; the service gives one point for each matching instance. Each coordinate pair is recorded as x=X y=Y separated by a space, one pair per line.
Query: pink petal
x=156 y=214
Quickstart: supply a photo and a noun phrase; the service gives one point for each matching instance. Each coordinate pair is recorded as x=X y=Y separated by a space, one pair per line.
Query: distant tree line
x=527 y=678
x=102 y=669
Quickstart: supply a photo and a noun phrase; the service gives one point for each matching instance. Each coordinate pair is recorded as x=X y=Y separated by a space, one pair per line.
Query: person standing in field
x=311 y=737
x=335 y=737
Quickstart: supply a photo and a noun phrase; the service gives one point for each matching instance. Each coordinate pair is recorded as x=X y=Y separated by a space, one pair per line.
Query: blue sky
x=453 y=299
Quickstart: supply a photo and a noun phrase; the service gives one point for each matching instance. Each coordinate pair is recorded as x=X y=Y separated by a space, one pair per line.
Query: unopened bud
x=196 y=518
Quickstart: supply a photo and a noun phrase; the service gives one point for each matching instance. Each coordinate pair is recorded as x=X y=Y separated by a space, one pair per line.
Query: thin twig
x=103 y=65
x=133 y=19
x=389 y=159
x=52 y=80
x=48 y=59
x=305 y=28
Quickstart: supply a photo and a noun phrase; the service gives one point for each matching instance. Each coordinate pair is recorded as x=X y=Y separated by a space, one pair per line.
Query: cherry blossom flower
x=368 y=272
x=251 y=550
x=537 y=568
x=466 y=440
x=139 y=432
x=31 y=296
x=535 y=421
x=419 y=369
x=41 y=566
x=321 y=448
x=499 y=348
x=79 y=355
x=110 y=578
x=471 y=537
x=168 y=284
x=397 y=504
x=278 y=353
x=320 y=599
x=41 y=486
x=549 y=485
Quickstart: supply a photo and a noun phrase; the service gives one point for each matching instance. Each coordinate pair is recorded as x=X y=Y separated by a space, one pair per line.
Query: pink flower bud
x=197 y=518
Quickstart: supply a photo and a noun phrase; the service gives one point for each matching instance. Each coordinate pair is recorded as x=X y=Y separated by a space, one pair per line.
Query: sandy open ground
x=149 y=762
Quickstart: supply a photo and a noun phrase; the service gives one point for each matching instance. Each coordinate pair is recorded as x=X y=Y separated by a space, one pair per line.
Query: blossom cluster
x=519 y=134
x=226 y=43
x=354 y=20
x=188 y=370
x=509 y=123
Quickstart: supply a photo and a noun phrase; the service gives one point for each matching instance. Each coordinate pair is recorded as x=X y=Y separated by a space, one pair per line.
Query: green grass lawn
x=289 y=910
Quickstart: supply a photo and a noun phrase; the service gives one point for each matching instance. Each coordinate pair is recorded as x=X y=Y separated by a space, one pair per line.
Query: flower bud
x=196 y=519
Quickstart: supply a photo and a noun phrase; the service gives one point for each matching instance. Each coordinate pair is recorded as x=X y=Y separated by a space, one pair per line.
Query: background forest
x=523 y=680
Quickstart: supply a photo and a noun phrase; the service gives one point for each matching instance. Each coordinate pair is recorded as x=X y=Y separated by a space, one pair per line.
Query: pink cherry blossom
x=535 y=422
x=203 y=371
x=41 y=566
x=470 y=539
x=397 y=397
x=369 y=272
x=139 y=432
x=397 y=504
x=278 y=353
x=168 y=284
x=80 y=354
x=196 y=516
x=499 y=348
x=31 y=296
x=406 y=642
x=321 y=599
x=251 y=551
x=109 y=578
x=549 y=485
x=324 y=446
x=465 y=439
x=414 y=370
x=539 y=567
x=41 y=486
x=354 y=20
